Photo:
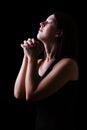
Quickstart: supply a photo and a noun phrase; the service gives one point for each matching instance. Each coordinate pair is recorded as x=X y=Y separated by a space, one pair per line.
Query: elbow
x=18 y=95
x=28 y=97
x=21 y=96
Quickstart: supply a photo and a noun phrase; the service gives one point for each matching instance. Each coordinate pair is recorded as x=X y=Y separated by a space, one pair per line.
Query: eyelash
x=47 y=22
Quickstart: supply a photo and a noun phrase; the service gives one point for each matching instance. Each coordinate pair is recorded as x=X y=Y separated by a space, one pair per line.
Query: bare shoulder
x=68 y=65
x=67 y=61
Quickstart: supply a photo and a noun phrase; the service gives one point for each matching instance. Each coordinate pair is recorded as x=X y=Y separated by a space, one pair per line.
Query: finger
x=24 y=44
x=27 y=44
x=34 y=42
x=29 y=39
x=30 y=42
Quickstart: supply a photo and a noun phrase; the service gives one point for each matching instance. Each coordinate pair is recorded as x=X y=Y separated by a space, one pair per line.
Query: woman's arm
x=26 y=80
x=31 y=79
x=19 y=87
x=63 y=71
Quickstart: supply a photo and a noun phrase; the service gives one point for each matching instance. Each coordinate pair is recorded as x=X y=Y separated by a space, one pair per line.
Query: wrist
x=33 y=59
x=25 y=58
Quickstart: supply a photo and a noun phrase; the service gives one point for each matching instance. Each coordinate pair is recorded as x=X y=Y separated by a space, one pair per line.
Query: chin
x=39 y=37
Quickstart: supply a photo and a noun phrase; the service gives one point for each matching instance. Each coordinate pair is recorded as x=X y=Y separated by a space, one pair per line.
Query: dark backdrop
x=20 y=20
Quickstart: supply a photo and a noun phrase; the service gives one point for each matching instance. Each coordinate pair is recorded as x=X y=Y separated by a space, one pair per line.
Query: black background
x=20 y=20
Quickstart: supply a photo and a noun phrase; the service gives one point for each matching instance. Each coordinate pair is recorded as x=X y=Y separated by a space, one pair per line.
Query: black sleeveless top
x=58 y=111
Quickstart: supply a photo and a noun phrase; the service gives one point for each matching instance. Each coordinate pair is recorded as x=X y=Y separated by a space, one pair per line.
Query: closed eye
x=49 y=22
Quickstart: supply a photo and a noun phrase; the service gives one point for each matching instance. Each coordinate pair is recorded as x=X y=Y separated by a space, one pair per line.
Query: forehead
x=51 y=17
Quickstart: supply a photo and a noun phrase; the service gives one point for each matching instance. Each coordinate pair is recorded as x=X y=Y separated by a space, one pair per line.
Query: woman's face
x=48 y=29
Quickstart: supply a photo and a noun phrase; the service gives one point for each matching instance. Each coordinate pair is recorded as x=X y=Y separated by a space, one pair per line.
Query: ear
x=59 y=34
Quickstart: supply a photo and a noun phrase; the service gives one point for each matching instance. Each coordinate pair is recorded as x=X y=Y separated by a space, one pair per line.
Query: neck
x=51 y=51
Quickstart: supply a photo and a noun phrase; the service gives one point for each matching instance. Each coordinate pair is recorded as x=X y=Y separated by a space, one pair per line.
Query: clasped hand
x=32 y=47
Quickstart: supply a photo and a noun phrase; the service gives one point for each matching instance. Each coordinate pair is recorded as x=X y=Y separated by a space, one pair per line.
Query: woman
x=49 y=81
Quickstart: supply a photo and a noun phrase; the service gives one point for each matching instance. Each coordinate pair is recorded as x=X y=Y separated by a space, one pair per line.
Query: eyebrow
x=52 y=19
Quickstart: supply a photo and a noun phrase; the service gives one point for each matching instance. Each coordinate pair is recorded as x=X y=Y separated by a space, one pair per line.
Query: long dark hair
x=70 y=39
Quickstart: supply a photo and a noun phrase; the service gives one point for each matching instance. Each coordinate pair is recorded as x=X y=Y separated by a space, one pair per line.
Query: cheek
x=50 y=32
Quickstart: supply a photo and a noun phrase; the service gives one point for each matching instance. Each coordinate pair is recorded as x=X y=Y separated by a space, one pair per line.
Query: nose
x=42 y=23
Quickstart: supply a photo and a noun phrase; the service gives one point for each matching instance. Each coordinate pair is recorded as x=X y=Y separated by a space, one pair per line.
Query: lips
x=41 y=30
